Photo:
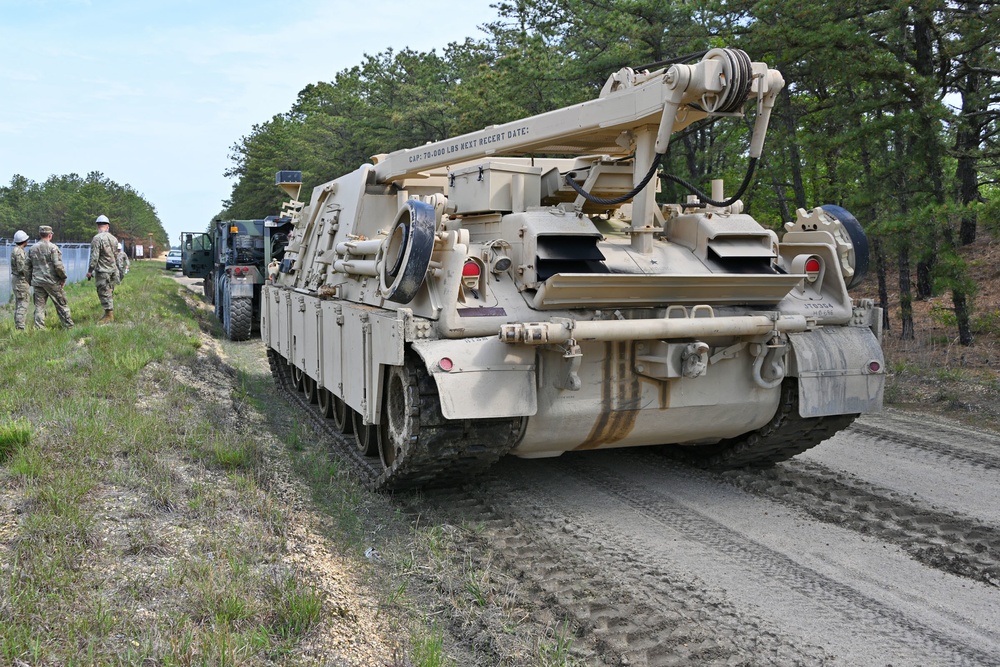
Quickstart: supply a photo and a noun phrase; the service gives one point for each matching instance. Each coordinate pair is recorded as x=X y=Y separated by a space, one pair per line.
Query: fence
x=76 y=258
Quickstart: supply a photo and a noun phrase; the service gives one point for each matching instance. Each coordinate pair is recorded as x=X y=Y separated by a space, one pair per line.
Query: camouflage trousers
x=106 y=289
x=22 y=293
x=58 y=295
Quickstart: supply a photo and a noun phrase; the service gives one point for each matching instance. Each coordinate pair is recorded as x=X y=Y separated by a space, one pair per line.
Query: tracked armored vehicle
x=472 y=298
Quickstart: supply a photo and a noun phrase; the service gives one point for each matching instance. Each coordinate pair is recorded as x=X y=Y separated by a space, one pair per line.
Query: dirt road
x=880 y=547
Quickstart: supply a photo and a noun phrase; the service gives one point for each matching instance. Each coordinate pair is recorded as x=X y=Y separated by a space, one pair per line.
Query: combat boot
x=109 y=316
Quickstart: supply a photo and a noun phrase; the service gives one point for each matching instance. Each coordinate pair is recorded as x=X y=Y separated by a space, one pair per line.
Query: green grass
x=152 y=526
x=146 y=531
x=15 y=434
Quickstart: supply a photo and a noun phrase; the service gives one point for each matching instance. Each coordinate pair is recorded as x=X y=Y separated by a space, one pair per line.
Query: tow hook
x=570 y=376
x=769 y=362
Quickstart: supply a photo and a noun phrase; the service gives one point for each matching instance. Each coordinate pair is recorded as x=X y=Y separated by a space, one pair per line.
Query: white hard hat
x=20 y=236
x=103 y=220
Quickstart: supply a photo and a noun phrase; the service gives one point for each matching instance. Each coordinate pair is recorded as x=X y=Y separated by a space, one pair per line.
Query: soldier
x=19 y=278
x=47 y=275
x=123 y=264
x=104 y=266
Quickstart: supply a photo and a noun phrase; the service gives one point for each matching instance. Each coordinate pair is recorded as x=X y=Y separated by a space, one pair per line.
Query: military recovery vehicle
x=473 y=298
x=232 y=261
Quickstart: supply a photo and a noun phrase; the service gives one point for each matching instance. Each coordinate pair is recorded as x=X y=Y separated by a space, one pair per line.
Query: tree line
x=891 y=110
x=70 y=204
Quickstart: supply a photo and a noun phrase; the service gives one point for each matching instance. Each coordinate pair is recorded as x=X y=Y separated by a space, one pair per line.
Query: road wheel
x=324 y=399
x=309 y=389
x=297 y=376
x=342 y=418
x=401 y=415
x=365 y=435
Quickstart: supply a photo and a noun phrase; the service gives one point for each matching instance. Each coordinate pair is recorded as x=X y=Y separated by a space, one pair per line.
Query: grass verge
x=139 y=522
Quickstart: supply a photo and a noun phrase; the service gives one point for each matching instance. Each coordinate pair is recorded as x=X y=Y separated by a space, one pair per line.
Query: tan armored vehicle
x=457 y=302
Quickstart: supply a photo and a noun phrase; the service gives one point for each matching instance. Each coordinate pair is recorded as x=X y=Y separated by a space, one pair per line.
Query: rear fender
x=841 y=370
x=485 y=378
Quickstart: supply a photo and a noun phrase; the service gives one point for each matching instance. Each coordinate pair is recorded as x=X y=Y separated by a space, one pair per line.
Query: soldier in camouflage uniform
x=123 y=264
x=48 y=276
x=104 y=267
x=19 y=279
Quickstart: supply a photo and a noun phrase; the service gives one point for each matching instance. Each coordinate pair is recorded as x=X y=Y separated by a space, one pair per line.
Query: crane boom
x=668 y=99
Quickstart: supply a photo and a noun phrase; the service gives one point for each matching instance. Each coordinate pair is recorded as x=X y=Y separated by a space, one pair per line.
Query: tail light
x=471 y=272
x=810 y=265
x=813 y=267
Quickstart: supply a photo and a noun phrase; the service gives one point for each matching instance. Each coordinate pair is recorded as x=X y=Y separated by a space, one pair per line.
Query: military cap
x=44 y=229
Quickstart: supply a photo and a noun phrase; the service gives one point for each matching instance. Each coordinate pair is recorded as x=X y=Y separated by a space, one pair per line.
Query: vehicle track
x=906 y=634
x=977 y=448
x=629 y=601
x=947 y=541
x=624 y=610
x=446 y=451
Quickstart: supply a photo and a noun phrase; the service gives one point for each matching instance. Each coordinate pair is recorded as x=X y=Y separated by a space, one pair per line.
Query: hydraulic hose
x=751 y=166
x=617 y=200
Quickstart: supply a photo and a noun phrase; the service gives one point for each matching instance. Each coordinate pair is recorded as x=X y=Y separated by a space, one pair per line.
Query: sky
x=154 y=93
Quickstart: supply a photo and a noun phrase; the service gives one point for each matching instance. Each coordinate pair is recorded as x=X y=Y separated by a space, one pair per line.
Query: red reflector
x=471 y=268
x=874 y=366
x=813 y=265
x=445 y=364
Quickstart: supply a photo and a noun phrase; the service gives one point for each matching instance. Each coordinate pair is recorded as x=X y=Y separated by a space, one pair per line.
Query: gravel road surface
x=879 y=547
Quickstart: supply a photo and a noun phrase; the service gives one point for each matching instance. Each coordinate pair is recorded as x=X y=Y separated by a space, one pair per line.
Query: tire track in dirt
x=624 y=610
x=944 y=540
x=891 y=625
x=936 y=446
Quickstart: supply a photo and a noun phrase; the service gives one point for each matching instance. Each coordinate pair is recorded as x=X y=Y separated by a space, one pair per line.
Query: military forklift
x=232 y=260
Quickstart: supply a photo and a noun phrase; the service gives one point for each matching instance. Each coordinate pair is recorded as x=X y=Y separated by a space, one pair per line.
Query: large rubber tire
x=859 y=241
x=407 y=251
x=238 y=317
